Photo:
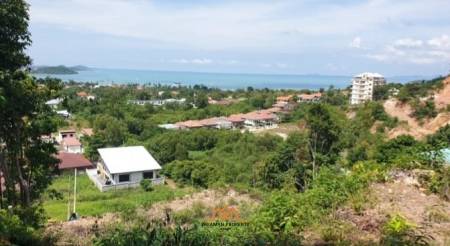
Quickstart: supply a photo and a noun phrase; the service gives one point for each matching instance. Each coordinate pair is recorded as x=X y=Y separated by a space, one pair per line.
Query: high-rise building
x=363 y=85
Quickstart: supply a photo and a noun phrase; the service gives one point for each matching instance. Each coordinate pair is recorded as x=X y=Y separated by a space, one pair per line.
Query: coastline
x=216 y=80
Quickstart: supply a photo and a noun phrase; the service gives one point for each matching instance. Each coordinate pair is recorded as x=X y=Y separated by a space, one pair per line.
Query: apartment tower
x=363 y=85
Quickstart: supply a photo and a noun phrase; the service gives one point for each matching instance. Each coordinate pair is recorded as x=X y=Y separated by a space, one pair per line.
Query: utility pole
x=68 y=200
x=75 y=192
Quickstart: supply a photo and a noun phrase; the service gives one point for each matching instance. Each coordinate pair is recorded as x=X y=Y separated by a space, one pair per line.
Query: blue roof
x=446 y=154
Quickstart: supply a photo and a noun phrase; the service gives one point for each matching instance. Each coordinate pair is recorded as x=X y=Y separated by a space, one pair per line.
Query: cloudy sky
x=393 y=37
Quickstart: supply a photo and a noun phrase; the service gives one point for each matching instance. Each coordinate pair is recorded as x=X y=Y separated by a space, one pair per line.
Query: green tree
x=14 y=35
x=325 y=129
x=26 y=161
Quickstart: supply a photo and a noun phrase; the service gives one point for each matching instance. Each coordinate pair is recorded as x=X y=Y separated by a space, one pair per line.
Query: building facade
x=363 y=86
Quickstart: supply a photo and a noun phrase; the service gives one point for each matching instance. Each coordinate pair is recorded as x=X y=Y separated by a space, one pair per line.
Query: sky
x=346 y=37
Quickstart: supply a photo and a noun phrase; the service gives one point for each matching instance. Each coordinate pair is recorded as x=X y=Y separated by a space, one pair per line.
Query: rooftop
x=72 y=160
x=128 y=159
x=71 y=141
x=372 y=75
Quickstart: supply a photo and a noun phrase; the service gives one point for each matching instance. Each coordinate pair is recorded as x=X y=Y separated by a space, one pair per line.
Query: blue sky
x=392 y=37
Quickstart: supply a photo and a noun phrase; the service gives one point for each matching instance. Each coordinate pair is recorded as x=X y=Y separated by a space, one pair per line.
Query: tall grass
x=92 y=202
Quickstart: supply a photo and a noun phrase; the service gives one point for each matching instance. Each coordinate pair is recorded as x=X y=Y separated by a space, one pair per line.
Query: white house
x=125 y=167
x=53 y=103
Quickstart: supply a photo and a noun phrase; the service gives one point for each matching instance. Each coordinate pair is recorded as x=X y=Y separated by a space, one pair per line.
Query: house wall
x=74 y=149
x=135 y=177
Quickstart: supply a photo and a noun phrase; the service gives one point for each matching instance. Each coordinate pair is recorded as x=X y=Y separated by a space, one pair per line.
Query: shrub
x=440 y=183
x=146 y=185
x=398 y=231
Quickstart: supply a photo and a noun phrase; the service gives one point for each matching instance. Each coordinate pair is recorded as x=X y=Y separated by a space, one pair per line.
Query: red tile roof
x=284 y=98
x=71 y=141
x=189 y=124
x=310 y=96
x=72 y=160
x=259 y=115
x=87 y=131
x=82 y=94
x=236 y=118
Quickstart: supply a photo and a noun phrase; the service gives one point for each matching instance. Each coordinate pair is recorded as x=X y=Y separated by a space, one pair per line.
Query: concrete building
x=124 y=167
x=363 y=86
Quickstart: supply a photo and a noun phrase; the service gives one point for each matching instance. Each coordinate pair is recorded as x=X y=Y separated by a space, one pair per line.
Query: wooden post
x=68 y=200
x=75 y=192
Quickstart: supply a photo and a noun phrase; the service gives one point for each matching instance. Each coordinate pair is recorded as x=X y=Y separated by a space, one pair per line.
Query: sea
x=216 y=80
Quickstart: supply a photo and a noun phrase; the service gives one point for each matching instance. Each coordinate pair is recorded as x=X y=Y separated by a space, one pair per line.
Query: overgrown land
x=330 y=174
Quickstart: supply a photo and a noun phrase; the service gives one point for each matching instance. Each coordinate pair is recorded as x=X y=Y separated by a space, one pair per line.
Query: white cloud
x=196 y=61
x=355 y=43
x=442 y=42
x=415 y=51
x=408 y=43
x=245 y=25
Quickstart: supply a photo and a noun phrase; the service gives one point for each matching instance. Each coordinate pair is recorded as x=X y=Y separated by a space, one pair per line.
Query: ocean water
x=217 y=80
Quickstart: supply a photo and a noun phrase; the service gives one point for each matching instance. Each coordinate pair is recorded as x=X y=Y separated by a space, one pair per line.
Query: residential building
x=363 y=86
x=236 y=120
x=157 y=102
x=260 y=119
x=68 y=133
x=70 y=161
x=72 y=145
x=124 y=167
x=169 y=126
x=53 y=103
x=64 y=113
x=314 y=97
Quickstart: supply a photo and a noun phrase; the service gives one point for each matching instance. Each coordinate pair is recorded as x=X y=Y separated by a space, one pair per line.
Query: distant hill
x=58 y=69
x=80 y=68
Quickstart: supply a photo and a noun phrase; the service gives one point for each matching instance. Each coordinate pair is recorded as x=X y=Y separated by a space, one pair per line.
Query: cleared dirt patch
x=80 y=232
x=429 y=213
x=411 y=126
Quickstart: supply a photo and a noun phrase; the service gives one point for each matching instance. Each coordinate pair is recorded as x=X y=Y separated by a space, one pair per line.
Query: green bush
x=398 y=231
x=146 y=185
x=13 y=231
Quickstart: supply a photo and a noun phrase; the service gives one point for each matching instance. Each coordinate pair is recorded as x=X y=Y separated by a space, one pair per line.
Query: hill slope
x=411 y=126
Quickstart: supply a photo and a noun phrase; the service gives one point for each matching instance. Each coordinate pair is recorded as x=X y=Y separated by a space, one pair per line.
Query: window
x=148 y=175
x=124 y=178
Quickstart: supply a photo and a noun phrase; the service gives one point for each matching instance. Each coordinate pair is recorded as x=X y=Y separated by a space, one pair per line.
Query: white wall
x=74 y=149
x=135 y=177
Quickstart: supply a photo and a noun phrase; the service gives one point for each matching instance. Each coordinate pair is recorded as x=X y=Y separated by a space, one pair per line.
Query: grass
x=92 y=202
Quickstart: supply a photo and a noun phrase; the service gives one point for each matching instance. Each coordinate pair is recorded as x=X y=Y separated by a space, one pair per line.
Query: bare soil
x=81 y=231
x=402 y=196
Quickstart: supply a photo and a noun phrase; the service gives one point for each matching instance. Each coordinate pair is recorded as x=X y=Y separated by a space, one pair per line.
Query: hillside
x=412 y=126
x=54 y=70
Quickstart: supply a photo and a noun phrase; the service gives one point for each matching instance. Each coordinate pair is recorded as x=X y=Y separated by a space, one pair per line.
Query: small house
x=310 y=97
x=53 y=103
x=125 y=167
x=72 y=145
x=69 y=133
x=70 y=161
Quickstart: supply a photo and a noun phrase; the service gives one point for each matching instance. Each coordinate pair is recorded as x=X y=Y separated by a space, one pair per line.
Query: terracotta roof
x=67 y=131
x=284 y=98
x=280 y=104
x=209 y=121
x=310 y=96
x=235 y=118
x=72 y=160
x=272 y=110
x=259 y=115
x=189 y=124
x=87 y=131
x=70 y=141
x=82 y=94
